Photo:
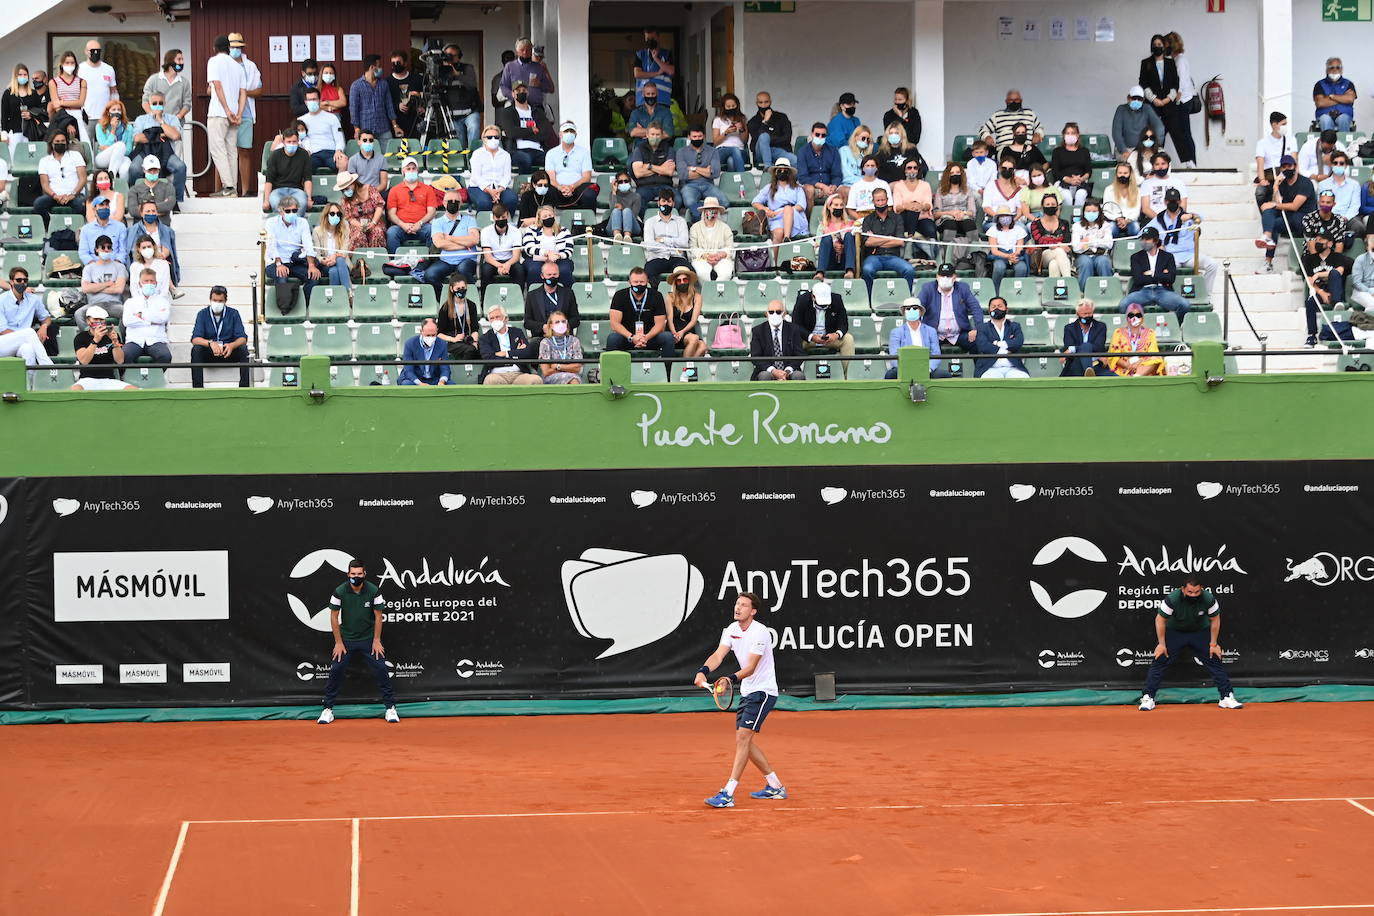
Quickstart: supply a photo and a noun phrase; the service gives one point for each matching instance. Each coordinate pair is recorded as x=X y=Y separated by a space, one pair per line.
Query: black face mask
x=731 y=111
x=1171 y=205
x=1289 y=173
x=355 y=580
x=900 y=106
x=1018 y=139
x=1157 y=50
x=1051 y=210
x=998 y=314
x=398 y=67
x=453 y=206
x=685 y=284
x=550 y=281
x=763 y=108
x=94 y=55
x=637 y=288
x=652 y=44
x=849 y=110
x=546 y=221
x=1013 y=106
x=1123 y=179
x=20 y=284
x=650 y=101
x=59 y=148
x=460 y=292
x=837 y=212
x=522 y=97
x=501 y=224
x=697 y=142
x=956 y=180
x=1008 y=173
x=38 y=85
x=665 y=208
x=880 y=209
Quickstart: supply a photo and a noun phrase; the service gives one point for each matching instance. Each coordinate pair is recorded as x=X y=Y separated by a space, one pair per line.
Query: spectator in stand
x=228 y=99
x=1361 y=282
x=1138 y=340
x=1003 y=337
x=1269 y=149
x=550 y=296
x=310 y=79
x=1153 y=272
x=454 y=233
x=905 y=115
x=820 y=315
x=97 y=345
x=150 y=188
x=288 y=174
x=780 y=343
x=548 y=242
x=25 y=325
x=5 y=179
x=1005 y=192
x=639 y=318
x=367 y=165
x=653 y=166
x=861 y=190
x=146 y=315
x=464 y=97
x=503 y=257
x=1325 y=223
x=526 y=129
x=1159 y=78
x=364 y=211
x=158 y=123
x=997 y=130
x=570 y=167
x=1188 y=103
x=331 y=248
x=425 y=347
x=1007 y=247
x=770 y=133
x=535 y=196
x=1130 y=121
x=1150 y=143
x=1326 y=271
x=914 y=202
x=728 y=133
x=951 y=309
x=982 y=167
x=491 y=173
x=852 y=155
x=332 y=98
x=104 y=187
x=784 y=204
x=502 y=341
x=528 y=72
x=144 y=257
x=290 y=255
x=626 y=206
x=104 y=282
x=1334 y=98
x=650 y=112
x=103 y=227
x=560 y=352
x=500 y=99
x=1121 y=202
x=843 y=123
x=1314 y=159
x=369 y=102
x=405 y=91
x=835 y=238
x=1086 y=335
x=1346 y=192
x=955 y=209
x=914 y=332
x=666 y=240
x=1367 y=205
x=713 y=241
x=683 y=307
x=62 y=177
x=1072 y=166
x=324 y=139
x=23 y=110
x=218 y=338
x=1297 y=198
x=1037 y=188
x=653 y=67
x=882 y=241
x=894 y=152
x=818 y=167
x=1025 y=155
x=1093 y=238
x=411 y=207
x=1051 y=236
x=100 y=79
x=1161 y=180
x=68 y=93
x=459 y=323
x=698 y=168
x=150 y=226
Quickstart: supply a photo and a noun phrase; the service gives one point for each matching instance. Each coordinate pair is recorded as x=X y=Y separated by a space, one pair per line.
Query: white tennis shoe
x=326 y=716
x=1147 y=703
x=392 y=715
x=1230 y=702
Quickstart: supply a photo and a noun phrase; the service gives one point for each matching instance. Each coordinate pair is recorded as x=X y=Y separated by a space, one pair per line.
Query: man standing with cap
x=844 y=123
x=1188 y=622
x=712 y=243
x=252 y=88
x=914 y=332
x=820 y=315
x=228 y=98
x=355 y=615
x=570 y=169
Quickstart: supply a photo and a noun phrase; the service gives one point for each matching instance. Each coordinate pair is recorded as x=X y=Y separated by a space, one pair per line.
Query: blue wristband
x=704 y=670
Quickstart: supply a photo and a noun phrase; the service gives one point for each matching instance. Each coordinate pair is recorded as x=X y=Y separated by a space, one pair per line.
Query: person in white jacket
x=146 y=314
x=1093 y=238
x=490 y=180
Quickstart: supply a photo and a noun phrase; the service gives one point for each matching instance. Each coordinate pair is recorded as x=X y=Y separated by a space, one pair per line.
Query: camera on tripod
x=438 y=74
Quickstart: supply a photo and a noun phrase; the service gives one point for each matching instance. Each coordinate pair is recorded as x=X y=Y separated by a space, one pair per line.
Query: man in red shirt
x=410 y=207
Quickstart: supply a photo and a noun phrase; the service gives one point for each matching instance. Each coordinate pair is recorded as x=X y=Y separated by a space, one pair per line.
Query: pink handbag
x=728 y=335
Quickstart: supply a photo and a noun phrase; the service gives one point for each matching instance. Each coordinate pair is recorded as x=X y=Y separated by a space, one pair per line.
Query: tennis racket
x=723 y=692
x=1111 y=211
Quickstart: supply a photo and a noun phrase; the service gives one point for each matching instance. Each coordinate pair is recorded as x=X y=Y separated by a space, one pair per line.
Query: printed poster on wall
x=1106 y=29
x=278 y=49
x=1030 y=30
x=300 y=47
x=1082 y=29
x=1005 y=24
x=1057 y=29
x=324 y=47
x=353 y=47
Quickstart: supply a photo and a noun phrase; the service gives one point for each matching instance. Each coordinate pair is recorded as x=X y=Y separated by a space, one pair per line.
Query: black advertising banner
x=12 y=624
x=212 y=590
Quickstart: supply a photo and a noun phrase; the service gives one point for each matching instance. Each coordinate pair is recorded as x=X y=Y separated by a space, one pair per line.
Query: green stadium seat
x=71 y=221
x=981 y=287
x=146 y=376
x=398 y=149
x=734 y=370
x=1042 y=366
x=1345 y=362
x=445 y=157
x=960 y=150
x=621 y=259
x=372 y=260
x=66 y=352
x=52 y=378
x=1100 y=147
x=376 y=340
x=739 y=187
x=605 y=184
x=794 y=249
x=1036 y=329
x=593 y=299
x=324 y=184
x=510 y=296
x=1105 y=291
x=1167 y=331
x=25 y=156
x=285 y=342
x=578 y=221
x=850 y=290
x=371 y=302
x=1059 y=292
x=609 y=154
x=26 y=230
x=32 y=261
x=329 y=303
x=274 y=315
x=864 y=332
x=719 y=296
x=933 y=179
x=332 y=340
x=1022 y=294
x=861 y=370
x=756 y=295
x=284 y=377
x=1193 y=288
x=412 y=251
x=1201 y=326
x=1049 y=143
x=416 y=300
x=1121 y=255
x=889 y=291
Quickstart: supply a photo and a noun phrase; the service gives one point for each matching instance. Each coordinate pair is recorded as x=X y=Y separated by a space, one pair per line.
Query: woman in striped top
x=68 y=92
x=548 y=241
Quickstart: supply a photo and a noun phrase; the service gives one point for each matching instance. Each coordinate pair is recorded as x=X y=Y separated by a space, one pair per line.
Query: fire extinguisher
x=1214 y=104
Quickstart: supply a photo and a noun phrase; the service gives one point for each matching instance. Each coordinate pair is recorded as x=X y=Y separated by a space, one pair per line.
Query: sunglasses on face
x=290 y=212
x=774 y=312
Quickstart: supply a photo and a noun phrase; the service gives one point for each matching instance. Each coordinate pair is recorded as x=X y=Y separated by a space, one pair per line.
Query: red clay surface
x=1024 y=811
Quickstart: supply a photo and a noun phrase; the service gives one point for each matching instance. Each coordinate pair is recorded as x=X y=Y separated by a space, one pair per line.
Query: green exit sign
x=790 y=6
x=1347 y=10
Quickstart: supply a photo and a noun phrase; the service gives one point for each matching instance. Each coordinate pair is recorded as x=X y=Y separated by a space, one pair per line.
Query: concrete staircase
x=217 y=240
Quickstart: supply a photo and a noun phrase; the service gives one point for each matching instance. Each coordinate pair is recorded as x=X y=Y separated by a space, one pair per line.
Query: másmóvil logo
x=1075 y=604
x=607 y=596
x=307 y=566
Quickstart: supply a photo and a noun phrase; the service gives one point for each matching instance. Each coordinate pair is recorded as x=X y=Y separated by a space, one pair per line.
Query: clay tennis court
x=1187 y=809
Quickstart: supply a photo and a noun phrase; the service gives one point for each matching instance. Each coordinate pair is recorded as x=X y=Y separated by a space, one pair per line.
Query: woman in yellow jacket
x=1138 y=343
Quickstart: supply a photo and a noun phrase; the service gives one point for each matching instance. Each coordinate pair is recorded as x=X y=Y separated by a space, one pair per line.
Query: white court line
x=647 y=811
x=1361 y=807
x=1224 y=909
x=353 y=874
x=171 y=869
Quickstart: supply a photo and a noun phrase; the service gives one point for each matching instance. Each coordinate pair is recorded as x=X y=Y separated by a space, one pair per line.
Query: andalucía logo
x=466 y=668
x=1129 y=657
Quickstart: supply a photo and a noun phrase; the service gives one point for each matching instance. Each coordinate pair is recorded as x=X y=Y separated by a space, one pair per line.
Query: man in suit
x=915 y=333
x=820 y=315
x=1153 y=271
x=502 y=341
x=1086 y=335
x=545 y=299
x=780 y=341
x=424 y=346
x=951 y=309
x=1002 y=336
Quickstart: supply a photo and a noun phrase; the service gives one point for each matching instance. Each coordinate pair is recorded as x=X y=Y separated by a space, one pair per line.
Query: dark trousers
x=297 y=269
x=584 y=197
x=658 y=267
x=44 y=205
x=1335 y=285
x=516 y=275
x=363 y=648
x=1195 y=644
x=1178 y=128
x=201 y=354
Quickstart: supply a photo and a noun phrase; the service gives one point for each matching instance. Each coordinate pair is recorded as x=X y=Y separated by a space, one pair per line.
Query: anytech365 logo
x=308 y=565
x=1075 y=604
x=607 y=599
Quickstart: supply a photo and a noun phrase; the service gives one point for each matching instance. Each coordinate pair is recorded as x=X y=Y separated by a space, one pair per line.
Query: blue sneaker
x=721 y=800
x=770 y=792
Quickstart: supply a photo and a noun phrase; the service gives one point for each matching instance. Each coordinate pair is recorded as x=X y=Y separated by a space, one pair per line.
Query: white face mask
x=427 y=339
x=147 y=253
x=1037 y=180
x=946 y=283
x=69 y=69
x=217 y=307
x=492 y=143
x=775 y=320
x=498 y=325
x=560 y=327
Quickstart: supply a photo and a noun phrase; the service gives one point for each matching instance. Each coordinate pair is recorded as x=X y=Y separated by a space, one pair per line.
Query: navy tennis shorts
x=753 y=709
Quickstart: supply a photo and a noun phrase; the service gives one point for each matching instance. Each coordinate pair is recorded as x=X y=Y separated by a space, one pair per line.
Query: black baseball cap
x=1150 y=232
x=946 y=270
x=848 y=99
x=1172 y=194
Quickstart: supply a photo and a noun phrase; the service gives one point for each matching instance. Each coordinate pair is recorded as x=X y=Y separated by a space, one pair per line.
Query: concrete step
x=1213 y=178
x=221 y=205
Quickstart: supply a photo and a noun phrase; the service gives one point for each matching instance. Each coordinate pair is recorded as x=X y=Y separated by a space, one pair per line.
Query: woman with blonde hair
x=331 y=247
x=114 y=140
x=1188 y=102
x=1121 y=202
x=853 y=153
x=546 y=241
x=1137 y=341
x=683 y=302
x=22 y=112
x=560 y=353
x=835 y=238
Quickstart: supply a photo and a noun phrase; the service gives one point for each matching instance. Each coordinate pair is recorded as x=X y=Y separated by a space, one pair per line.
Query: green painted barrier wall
x=286 y=431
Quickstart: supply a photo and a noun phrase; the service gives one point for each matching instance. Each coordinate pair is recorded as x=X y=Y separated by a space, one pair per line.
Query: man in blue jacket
x=1086 y=335
x=1002 y=336
x=951 y=309
x=818 y=167
x=425 y=346
x=844 y=123
x=218 y=338
x=915 y=333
